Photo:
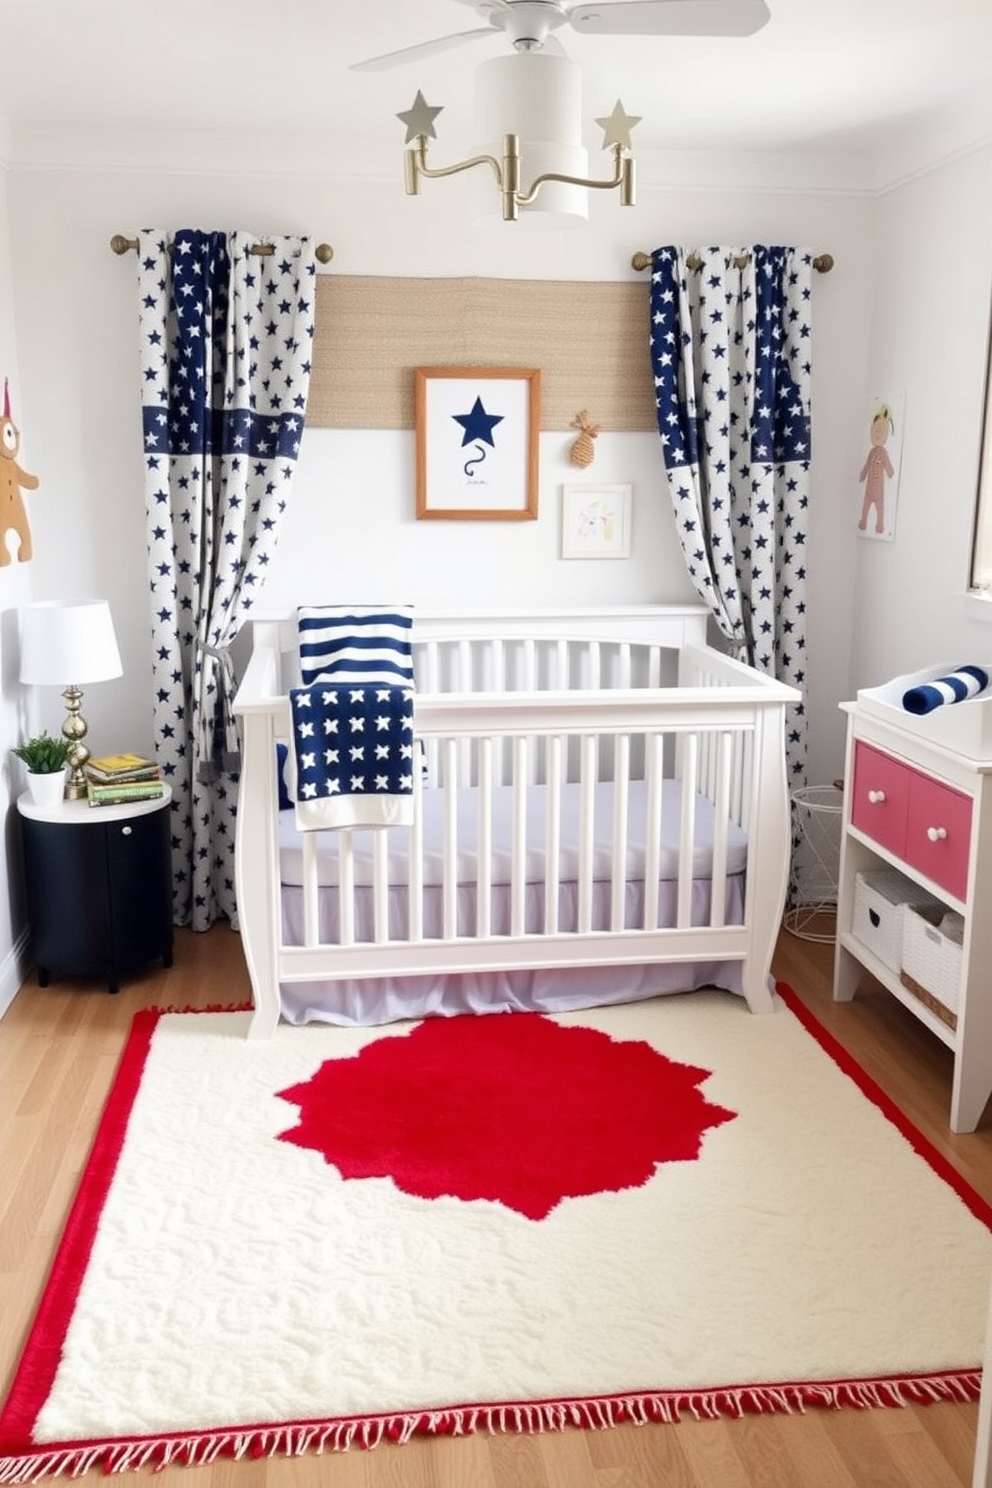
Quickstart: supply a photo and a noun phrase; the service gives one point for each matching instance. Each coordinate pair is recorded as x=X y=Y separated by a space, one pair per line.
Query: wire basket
x=817 y=814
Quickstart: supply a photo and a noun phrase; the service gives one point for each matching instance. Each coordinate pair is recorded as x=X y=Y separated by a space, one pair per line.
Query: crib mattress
x=467 y=836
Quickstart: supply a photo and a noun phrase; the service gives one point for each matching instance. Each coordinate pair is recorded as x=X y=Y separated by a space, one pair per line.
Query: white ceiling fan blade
x=423 y=49
x=670 y=18
x=485 y=7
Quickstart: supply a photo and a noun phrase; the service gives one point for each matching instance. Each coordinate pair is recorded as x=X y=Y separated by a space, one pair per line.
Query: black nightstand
x=99 y=886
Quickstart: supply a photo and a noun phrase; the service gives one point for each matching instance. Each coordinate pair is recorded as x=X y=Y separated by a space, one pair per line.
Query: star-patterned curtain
x=730 y=351
x=225 y=366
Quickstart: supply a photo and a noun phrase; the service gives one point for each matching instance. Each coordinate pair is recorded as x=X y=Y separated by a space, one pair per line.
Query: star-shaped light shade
x=478 y=424
x=616 y=127
x=419 y=119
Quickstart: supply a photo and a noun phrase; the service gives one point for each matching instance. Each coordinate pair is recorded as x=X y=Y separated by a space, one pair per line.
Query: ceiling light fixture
x=540 y=93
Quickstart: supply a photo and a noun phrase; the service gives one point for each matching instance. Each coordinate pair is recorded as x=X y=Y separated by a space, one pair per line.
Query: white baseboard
x=13 y=970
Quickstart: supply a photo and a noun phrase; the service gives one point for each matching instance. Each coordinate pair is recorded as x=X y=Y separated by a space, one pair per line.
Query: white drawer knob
x=936 y=834
x=876 y=797
x=126 y=831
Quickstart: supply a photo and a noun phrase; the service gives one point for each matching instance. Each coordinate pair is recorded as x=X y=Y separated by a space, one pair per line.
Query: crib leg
x=264 y=1019
x=759 y=988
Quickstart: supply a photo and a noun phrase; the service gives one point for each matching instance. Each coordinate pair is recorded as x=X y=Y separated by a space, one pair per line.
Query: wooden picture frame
x=595 y=521
x=477 y=443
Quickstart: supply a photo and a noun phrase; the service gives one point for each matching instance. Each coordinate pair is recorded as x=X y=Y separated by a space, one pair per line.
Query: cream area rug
x=516 y=1222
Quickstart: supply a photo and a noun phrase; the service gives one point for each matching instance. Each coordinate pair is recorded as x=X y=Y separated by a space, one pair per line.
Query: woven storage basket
x=880 y=900
x=931 y=959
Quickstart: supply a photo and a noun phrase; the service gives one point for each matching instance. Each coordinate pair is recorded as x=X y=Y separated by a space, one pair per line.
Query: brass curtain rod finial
x=121 y=245
x=823 y=262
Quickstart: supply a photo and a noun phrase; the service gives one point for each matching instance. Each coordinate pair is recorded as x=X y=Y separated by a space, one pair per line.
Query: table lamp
x=65 y=642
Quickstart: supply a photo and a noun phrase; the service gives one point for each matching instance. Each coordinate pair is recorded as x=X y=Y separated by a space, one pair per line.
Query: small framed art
x=477 y=443
x=595 y=521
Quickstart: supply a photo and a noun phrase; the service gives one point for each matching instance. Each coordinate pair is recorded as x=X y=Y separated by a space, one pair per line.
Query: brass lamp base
x=74 y=729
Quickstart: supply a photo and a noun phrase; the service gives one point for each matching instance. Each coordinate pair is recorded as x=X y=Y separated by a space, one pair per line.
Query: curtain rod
x=823 y=263
x=323 y=251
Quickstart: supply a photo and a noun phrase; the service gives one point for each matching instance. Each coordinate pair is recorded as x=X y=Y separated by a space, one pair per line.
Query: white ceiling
x=821 y=75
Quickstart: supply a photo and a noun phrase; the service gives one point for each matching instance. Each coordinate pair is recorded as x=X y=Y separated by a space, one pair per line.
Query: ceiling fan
x=530 y=24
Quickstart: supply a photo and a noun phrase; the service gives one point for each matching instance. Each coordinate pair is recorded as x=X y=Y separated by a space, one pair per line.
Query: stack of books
x=113 y=779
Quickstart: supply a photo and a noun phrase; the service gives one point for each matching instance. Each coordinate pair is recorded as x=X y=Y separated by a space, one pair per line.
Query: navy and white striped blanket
x=954 y=687
x=353 y=717
x=370 y=643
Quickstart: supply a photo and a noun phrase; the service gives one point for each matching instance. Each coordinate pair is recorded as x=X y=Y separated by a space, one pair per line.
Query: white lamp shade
x=538 y=97
x=66 y=642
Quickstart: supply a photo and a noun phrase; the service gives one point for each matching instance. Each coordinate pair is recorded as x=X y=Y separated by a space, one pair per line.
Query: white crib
x=603 y=814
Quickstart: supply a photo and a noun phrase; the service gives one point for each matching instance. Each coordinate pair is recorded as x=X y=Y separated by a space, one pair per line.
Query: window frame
x=980 y=574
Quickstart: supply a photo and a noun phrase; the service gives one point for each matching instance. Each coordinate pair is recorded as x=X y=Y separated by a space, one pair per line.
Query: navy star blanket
x=354 y=755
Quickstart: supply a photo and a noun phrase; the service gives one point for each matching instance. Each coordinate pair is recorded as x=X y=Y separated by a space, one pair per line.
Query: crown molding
x=46 y=148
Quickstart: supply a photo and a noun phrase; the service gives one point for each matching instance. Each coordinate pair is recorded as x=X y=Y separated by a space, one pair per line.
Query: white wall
x=929 y=336
x=351 y=527
x=15 y=708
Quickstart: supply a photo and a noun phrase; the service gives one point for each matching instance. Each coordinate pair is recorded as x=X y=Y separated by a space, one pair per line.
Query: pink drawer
x=922 y=821
x=880 y=797
x=938 y=833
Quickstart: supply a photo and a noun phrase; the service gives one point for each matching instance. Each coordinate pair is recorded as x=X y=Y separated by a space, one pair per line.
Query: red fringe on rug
x=366 y=1433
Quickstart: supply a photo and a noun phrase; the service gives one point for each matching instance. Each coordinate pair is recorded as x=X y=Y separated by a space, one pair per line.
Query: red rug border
x=22 y=1461
x=869 y=1087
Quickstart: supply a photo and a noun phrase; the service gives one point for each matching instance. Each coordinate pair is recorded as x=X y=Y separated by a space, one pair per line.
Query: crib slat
x=464 y=681
x=463 y=674
x=498 y=652
x=587 y=785
x=529 y=682
x=311 y=927
x=687 y=829
x=742 y=794
x=415 y=862
x=499 y=685
x=552 y=834
x=721 y=808
x=430 y=682
x=449 y=866
x=560 y=675
x=380 y=887
x=518 y=839
x=624 y=672
x=484 y=851
x=594 y=681
x=346 y=887
x=618 y=866
x=653 y=749
x=594 y=651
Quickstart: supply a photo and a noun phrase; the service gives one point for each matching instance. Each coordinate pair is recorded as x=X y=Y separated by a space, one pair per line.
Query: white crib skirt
x=376 y=1000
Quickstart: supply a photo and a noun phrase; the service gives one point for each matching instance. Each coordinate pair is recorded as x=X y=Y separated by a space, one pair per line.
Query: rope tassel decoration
x=583 y=450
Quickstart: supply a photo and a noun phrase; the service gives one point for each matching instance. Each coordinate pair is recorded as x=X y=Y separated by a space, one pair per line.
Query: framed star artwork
x=477 y=443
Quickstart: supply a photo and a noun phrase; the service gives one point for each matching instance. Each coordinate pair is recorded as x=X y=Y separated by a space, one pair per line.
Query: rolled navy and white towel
x=955 y=687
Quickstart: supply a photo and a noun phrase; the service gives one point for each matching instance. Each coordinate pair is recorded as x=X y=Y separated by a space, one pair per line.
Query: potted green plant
x=46 y=759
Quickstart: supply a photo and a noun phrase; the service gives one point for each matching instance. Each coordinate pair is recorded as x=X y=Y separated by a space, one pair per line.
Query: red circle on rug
x=514 y=1108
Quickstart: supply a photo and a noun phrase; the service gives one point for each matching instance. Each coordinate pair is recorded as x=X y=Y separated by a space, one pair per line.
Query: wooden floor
x=58 y=1050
